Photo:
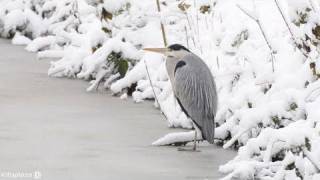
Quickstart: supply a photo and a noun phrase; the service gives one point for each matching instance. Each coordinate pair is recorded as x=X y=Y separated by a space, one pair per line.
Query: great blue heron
x=193 y=87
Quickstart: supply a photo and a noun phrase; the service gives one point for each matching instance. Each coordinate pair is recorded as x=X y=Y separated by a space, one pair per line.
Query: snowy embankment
x=264 y=56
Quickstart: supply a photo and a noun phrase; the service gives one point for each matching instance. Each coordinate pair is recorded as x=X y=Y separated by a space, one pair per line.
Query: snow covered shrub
x=269 y=118
x=100 y=41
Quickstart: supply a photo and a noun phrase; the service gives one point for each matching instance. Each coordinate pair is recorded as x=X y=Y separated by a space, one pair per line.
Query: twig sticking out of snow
x=294 y=39
x=162 y=26
x=190 y=27
x=285 y=20
x=247 y=13
x=256 y=19
x=187 y=37
x=154 y=93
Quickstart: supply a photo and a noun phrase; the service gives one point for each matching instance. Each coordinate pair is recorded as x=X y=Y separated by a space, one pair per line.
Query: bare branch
x=187 y=37
x=154 y=93
x=290 y=30
x=263 y=34
x=162 y=26
x=247 y=13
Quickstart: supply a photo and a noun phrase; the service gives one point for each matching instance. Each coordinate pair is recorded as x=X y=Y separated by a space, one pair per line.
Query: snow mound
x=19 y=39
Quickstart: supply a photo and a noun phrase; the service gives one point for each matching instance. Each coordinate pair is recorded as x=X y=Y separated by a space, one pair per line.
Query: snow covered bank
x=264 y=56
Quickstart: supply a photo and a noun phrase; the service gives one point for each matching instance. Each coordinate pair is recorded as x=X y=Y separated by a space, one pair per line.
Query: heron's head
x=174 y=51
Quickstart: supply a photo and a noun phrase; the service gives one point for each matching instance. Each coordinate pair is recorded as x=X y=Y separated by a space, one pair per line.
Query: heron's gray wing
x=195 y=91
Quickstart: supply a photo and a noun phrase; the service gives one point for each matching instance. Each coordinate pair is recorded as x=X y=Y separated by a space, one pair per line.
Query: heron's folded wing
x=195 y=89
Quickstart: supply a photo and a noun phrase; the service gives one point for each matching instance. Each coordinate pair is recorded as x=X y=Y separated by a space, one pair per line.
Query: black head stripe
x=177 y=47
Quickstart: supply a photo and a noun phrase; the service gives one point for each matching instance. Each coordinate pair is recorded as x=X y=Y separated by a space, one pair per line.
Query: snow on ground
x=263 y=54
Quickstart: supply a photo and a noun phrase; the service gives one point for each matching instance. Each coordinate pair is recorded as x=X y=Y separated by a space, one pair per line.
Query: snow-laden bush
x=265 y=103
x=264 y=56
x=99 y=41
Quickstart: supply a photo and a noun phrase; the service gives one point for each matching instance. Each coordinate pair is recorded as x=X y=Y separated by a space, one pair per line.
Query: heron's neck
x=171 y=63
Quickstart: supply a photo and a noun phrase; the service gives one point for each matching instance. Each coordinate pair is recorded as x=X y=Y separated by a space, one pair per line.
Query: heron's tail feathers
x=208 y=130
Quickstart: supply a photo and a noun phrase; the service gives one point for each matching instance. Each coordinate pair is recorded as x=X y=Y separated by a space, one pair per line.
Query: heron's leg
x=195 y=140
x=194 y=148
x=197 y=133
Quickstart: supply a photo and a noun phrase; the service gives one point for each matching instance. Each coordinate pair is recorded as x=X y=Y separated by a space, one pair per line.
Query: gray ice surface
x=55 y=127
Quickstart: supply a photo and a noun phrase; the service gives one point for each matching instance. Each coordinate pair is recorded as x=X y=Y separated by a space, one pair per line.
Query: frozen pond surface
x=55 y=127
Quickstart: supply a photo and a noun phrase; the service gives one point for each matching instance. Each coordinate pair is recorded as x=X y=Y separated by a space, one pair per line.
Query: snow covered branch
x=267 y=41
x=294 y=39
x=234 y=138
x=312 y=159
x=179 y=138
x=164 y=37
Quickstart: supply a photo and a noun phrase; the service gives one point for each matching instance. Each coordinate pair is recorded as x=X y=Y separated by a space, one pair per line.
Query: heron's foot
x=188 y=149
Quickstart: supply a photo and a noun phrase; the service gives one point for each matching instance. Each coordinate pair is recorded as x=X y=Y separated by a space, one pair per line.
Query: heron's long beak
x=157 y=50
